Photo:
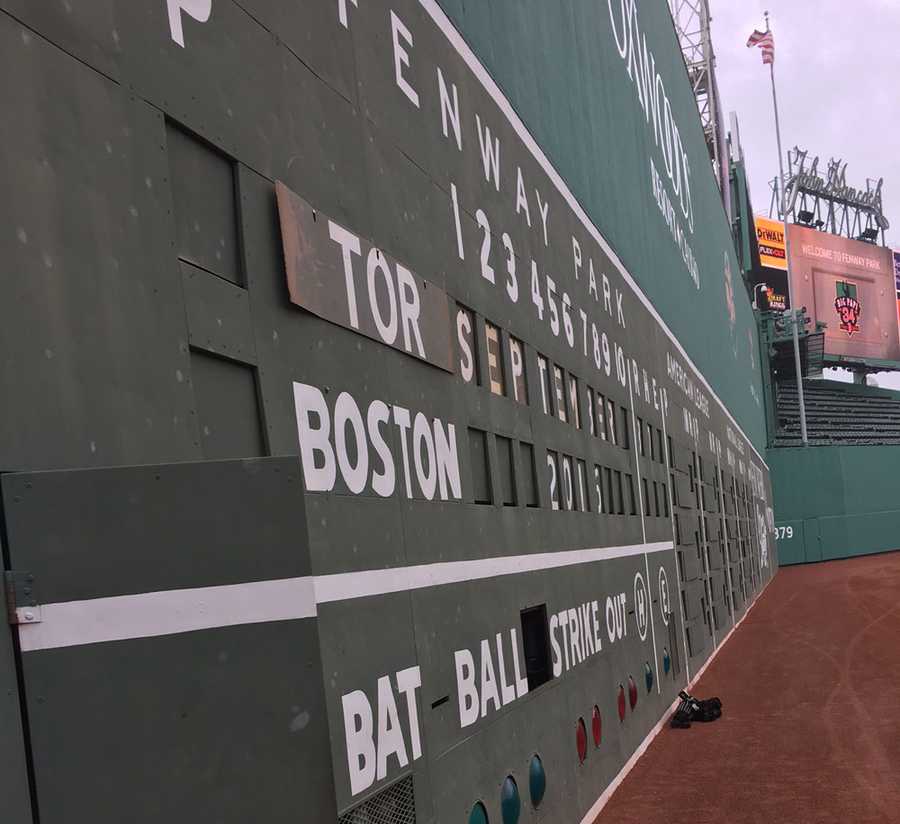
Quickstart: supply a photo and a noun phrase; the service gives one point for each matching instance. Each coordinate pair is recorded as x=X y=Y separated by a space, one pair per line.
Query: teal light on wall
x=478 y=814
x=537 y=780
x=667 y=661
x=510 y=804
x=648 y=676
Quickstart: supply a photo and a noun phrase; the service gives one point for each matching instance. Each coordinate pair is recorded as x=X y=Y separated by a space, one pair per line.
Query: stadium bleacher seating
x=836 y=414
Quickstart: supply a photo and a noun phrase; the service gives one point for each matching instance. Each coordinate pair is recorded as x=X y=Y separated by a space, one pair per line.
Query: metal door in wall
x=169 y=657
x=812 y=541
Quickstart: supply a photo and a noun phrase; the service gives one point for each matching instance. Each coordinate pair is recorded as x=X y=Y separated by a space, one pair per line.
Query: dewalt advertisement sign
x=770 y=236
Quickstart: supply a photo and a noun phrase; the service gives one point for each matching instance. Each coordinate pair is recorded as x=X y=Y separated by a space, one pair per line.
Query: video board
x=848 y=285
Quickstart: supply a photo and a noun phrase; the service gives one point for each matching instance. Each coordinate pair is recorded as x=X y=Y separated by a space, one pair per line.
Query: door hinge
x=21 y=601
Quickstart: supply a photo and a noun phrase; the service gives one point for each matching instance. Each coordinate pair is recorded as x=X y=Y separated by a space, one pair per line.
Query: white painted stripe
x=150 y=614
x=346 y=585
x=597 y=807
x=456 y=40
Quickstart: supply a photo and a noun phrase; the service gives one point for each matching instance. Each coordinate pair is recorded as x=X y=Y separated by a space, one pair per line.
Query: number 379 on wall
x=782 y=532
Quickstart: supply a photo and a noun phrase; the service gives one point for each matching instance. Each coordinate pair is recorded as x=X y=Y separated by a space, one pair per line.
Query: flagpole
x=794 y=312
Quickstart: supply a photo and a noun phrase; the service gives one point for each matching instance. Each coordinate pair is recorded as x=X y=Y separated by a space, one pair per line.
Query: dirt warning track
x=811 y=725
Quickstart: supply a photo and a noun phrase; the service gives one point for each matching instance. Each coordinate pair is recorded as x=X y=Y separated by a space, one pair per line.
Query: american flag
x=766 y=42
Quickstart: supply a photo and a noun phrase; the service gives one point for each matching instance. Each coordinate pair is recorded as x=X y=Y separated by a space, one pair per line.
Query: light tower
x=691 y=19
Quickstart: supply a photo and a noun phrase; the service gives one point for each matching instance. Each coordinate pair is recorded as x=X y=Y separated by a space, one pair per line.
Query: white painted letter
x=490 y=153
x=382 y=482
x=314 y=440
x=401 y=418
x=427 y=476
x=576 y=254
x=390 y=735
x=465 y=688
x=507 y=691
x=575 y=637
x=342 y=12
x=346 y=410
x=464 y=329
x=360 y=744
x=488 y=680
x=408 y=681
x=598 y=641
x=375 y=262
x=447 y=460
x=449 y=110
x=409 y=309
x=545 y=210
x=521 y=198
x=349 y=243
x=401 y=57
x=554 y=645
x=515 y=360
x=199 y=10
x=621 y=44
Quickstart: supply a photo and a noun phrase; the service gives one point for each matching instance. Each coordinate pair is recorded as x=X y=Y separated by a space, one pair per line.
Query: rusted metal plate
x=342 y=277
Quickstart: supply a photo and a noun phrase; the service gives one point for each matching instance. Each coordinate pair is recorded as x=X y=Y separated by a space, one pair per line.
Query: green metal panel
x=745 y=229
x=91 y=288
x=796 y=472
x=90 y=35
x=585 y=113
x=845 y=496
x=275 y=90
x=202 y=184
x=222 y=724
x=228 y=414
x=308 y=30
x=52 y=513
x=218 y=314
x=860 y=534
x=870 y=476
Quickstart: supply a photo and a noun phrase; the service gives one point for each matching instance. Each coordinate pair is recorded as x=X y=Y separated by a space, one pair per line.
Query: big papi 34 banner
x=850 y=286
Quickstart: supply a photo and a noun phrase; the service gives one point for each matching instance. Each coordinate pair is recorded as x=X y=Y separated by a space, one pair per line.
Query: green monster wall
x=160 y=360
x=835 y=501
x=564 y=73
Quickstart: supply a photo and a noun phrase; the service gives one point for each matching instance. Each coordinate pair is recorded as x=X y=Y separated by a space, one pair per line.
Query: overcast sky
x=837 y=67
